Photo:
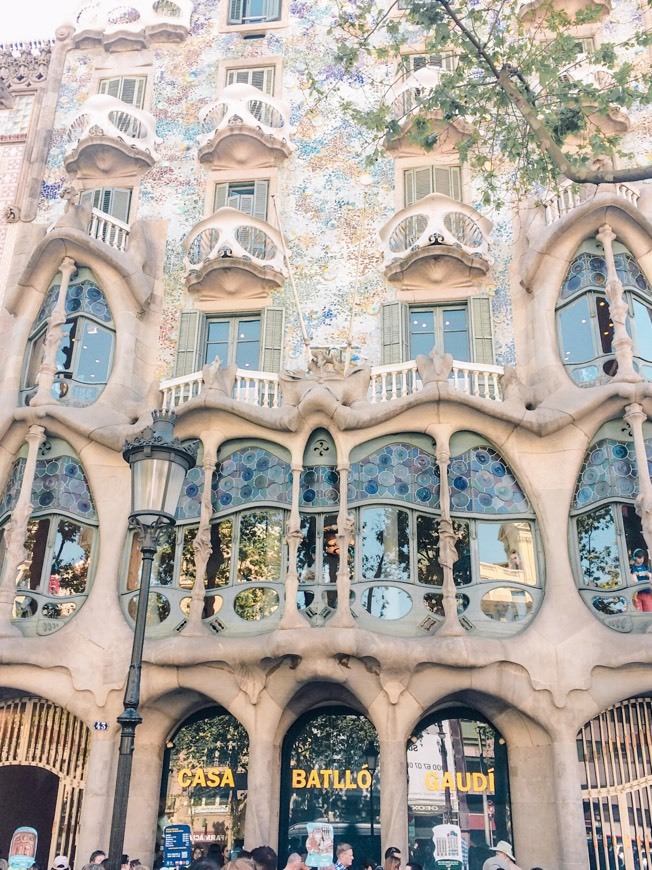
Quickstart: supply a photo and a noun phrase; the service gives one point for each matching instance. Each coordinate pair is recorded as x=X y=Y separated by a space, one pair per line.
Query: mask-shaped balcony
x=536 y=11
x=408 y=99
x=436 y=241
x=133 y=24
x=245 y=127
x=109 y=137
x=232 y=255
x=613 y=122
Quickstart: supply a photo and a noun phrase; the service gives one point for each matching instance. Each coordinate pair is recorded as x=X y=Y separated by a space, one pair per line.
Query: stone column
x=53 y=336
x=343 y=617
x=262 y=785
x=635 y=416
x=96 y=807
x=451 y=626
x=16 y=532
x=622 y=342
x=202 y=548
x=393 y=794
x=140 y=833
x=570 y=828
x=291 y=617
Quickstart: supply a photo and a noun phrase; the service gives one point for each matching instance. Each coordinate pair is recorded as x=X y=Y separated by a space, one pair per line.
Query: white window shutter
x=119 y=203
x=273 y=332
x=260 y=200
x=221 y=194
x=442 y=180
x=271 y=10
x=481 y=329
x=191 y=326
x=89 y=196
x=418 y=183
x=111 y=87
x=235 y=12
x=133 y=91
x=394 y=316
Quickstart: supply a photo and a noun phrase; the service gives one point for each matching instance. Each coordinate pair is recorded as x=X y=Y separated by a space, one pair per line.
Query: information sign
x=448 y=847
x=176 y=846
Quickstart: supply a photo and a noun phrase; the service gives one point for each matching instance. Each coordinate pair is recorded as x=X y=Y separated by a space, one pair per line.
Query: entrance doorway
x=28 y=797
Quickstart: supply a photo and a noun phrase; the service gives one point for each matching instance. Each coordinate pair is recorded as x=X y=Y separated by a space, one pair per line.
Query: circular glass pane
x=158 y=608
x=506 y=605
x=61 y=610
x=24 y=606
x=257 y=603
x=212 y=606
x=386 y=602
x=611 y=605
x=435 y=602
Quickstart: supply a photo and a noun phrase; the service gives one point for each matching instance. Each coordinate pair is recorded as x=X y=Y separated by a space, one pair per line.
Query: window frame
x=140 y=88
x=233 y=320
x=230 y=22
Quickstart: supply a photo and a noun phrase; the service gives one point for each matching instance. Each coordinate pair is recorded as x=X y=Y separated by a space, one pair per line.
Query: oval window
x=386 y=602
x=158 y=608
x=506 y=605
x=304 y=599
x=257 y=603
x=60 y=610
x=24 y=606
x=212 y=605
x=435 y=603
x=612 y=605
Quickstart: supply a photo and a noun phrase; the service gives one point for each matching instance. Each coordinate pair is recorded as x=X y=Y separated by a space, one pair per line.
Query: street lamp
x=370 y=755
x=158 y=463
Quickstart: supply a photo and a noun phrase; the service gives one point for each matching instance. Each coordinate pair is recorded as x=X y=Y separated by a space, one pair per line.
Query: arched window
x=251 y=494
x=613 y=563
x=85 y=351
x=584 y=323
x=52 y=580
x=395 y=488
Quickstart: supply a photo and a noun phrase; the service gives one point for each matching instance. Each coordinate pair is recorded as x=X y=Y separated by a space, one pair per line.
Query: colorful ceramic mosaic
x=398 y=471
x=60 y=485
x=251 y=476
x=480 y=482
x=609 y=471
x=320 y=487
x=84 y=297
x=12 y=488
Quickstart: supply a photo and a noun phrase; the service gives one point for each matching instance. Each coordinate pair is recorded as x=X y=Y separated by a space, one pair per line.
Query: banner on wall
x=319 y=844
x=448 y=852
x=22 y=851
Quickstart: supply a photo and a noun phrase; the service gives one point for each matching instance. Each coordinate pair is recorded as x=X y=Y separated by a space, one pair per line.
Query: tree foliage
x=529 y=94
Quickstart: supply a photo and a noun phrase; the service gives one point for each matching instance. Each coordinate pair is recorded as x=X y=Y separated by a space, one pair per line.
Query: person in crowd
x=124 y=862
x=413 y=865
x=344 y=856
x=242 y=862
x=61 y=862
x=265 y=858
x=503 y=859
x=293 y=862
x=641 y=573
x=238 y=847
x=97 y=856
x=216 y=854
x=392 y=858
x=197 y=853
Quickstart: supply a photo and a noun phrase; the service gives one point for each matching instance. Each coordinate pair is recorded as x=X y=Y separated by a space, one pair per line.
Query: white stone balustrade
x=572 y=195
x=229 y=233
x=408 y=95
x=103 y=18
x=435 y=220
x=102 y=115
x=109 y=230
x=387 y=383
x=241 y=105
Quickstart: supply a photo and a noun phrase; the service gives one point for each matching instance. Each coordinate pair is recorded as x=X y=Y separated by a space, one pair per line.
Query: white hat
x=504 y=846
x=61 y=863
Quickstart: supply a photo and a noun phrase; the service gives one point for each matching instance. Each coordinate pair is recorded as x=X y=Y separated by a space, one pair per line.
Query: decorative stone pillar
x=451 y=626
x=262 y=783
x=16 y=532
x=622 y=342
x=291 y=617
x=571 y=827
x=144 y=794
x=635 y=416
x=343 y=617
x=393 y=794
x=53 y=336
x=202 y=548
x=96 y=806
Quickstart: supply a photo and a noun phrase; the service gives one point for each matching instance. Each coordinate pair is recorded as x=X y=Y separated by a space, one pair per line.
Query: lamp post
x=370 y=755
x=158 y=464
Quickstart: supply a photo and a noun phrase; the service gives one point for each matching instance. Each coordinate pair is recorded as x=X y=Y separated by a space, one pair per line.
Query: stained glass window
x=480 y=482
x=251 y=475
x=399 y=471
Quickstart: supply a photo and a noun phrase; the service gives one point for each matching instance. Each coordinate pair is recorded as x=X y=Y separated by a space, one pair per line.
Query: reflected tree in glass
x=598 y=548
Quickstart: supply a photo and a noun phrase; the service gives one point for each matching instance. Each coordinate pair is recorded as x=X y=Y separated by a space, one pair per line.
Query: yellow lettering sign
x=466 y=782
x=184 y=777
x=298 y=778
x=364 y=779
x=329 y=778
x=199 y=778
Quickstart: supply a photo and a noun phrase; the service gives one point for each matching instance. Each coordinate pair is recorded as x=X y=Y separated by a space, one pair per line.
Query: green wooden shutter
x=89 y=196
x=481 y=329
x=418 y=183
x=394 y=336
x=273 y=332
x=221 y=194
x=191 y=328
x=260 y=200
x=235 y=12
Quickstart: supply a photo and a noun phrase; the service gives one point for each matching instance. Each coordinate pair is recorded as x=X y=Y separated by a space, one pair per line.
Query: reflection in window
x=506 y=552
x=260 y=549
x=385 y=544
x=85 y=353
x=612 y=555
x=386 y=602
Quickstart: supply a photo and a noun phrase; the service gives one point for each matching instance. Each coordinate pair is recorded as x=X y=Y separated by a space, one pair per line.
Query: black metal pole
x=130 y=718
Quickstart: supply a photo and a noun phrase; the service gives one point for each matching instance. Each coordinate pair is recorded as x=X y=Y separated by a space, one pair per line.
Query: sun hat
x=61 y=863
x=504 y=846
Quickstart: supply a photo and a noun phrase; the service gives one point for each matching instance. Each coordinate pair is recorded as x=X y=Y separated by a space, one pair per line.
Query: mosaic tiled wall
x=323 y=207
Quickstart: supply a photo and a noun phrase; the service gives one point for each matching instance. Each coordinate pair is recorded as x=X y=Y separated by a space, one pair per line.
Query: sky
x=22 y=20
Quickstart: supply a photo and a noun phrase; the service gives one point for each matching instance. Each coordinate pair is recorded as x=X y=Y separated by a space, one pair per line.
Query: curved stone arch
x=314 y=695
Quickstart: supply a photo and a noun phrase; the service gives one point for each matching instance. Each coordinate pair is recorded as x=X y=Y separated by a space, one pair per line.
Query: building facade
x=408 y=597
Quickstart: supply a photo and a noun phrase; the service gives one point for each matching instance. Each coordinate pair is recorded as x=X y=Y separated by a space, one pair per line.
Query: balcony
x=109 y=137
x=131 y=25
x=387 y=383
x=536 y=11
x=437 y=241
x=614 y=122
x=408 y=100
x=570 y=196
x=245 y=127
x=232 y=255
